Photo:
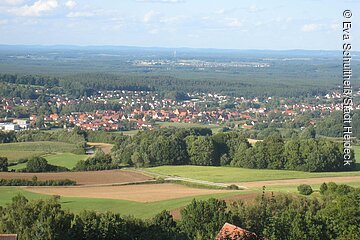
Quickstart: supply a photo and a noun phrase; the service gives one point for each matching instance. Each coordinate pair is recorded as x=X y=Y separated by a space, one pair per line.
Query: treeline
x=199 y=147
x=86 y=84
x=311 y=155
x=100 y=161
x=280 y=216
x=35 y=182
x=30 y=80
x=17 y=91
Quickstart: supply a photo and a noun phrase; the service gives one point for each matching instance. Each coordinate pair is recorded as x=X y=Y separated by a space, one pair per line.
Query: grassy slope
x=14 y=156
x=16 y=151
x=44 y=146
x=67 y=160
x=232 y=174
x=137 y=209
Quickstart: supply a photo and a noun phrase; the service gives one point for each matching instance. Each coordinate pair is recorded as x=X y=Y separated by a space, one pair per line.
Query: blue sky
x=238 y=24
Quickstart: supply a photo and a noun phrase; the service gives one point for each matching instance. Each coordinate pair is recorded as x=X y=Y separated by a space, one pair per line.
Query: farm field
x=106 y=147
x=67 y=160
x=136 y=193
x=43 y=146
x=142 y=209
x=233 y=174
x=84 y=178
x=137 y=209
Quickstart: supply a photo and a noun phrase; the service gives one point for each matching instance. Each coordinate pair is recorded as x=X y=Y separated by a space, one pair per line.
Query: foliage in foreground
x=305 y=189
x=334 y=215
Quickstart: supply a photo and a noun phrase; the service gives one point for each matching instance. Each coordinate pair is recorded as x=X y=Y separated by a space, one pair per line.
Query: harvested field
x=84 y=178
x=300 y=181
x=137 y=193
x=106 y=147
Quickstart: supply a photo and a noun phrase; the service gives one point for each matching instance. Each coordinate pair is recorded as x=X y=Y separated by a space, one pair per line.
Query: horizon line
x=158 y=47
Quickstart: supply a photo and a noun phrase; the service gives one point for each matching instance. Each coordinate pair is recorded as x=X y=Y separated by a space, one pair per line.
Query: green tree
x=308 y=132
x=305 y=189
x=37 y=164
x=201 y=151
x=203 y=219
x=37 y=219
x=3 y=164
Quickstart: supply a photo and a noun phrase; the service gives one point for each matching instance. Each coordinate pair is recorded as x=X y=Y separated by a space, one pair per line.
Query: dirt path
x=299 y=181
x=176 y=178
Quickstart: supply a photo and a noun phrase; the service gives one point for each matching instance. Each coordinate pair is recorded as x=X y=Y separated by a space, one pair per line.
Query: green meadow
x=234 y=174
x=137 y=209
x=67 y=160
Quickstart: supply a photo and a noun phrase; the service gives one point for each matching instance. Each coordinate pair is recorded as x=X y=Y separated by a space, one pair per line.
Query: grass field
x=232 y=174
x=16 y=151
x=357 y=153
x=67 y=160
x=14 y=156
x=137 y=209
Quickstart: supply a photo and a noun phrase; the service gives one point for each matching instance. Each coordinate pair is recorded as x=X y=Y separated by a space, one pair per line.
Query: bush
x=33 y=182
x=323 y=188
x=232 y=187
x=305 y=189
x=40 y=164
x=3 y=164
x=37 y=164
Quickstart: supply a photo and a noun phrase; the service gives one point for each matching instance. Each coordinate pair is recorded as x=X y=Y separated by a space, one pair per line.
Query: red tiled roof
x=8 y=236
x=232 y=232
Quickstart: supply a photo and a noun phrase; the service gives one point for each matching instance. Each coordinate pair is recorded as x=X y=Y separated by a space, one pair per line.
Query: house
x=9 y=127
x=232 y=232
x=8 y=236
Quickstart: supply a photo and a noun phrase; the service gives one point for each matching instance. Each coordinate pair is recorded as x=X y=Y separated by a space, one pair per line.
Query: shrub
x=305 y=189
x=37 y=164
x=323 y=188
x=232 y=187
x=3 y=164
x=24 y=182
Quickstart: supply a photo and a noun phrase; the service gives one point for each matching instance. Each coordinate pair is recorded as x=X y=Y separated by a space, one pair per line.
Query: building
x=232 y=232
x=23 y=124
x=8 y=236
x=9 y=127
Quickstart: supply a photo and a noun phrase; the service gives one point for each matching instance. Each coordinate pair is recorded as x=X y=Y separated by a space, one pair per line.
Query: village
x=133 y=110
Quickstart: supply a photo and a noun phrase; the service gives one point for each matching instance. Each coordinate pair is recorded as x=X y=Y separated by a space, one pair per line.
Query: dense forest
x=80 y=72
x=200 y=147
x=332 y=215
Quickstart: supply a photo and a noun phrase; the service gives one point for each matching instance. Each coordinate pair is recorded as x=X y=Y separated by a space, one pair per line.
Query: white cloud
x=37 y=9
x=80 y=14
x=70 y=4
x=11 y=2
x=233 y=22
x=311 y=27
x=149 y=16
x=3 y=21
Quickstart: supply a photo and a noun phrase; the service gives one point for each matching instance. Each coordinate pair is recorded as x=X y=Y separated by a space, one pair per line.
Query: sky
x=225 y=24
